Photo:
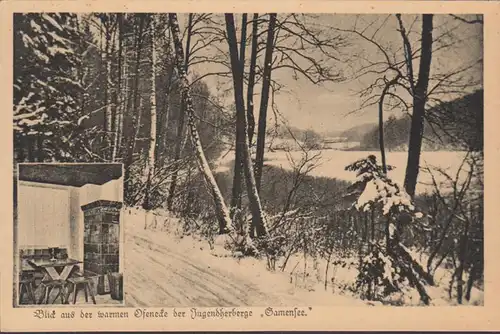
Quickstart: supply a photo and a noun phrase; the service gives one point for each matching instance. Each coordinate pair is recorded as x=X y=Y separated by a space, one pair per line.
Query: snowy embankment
x=333 y=162
x=164 y=269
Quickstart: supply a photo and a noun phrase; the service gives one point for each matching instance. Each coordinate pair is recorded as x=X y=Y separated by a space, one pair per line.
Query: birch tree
x=121 y=90
x=221 y=210
x=150 y=162
x=180 y=121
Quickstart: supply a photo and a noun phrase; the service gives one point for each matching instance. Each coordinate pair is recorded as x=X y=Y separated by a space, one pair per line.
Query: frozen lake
x=333 y=162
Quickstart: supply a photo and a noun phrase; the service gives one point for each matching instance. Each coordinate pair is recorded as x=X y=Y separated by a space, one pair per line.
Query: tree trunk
x=381 y=129
x=108 y=117
x=40 y=156
x=164 y=122
x=372 y=239
x=221 y=210
x=419 y=102
x=462 y=259
x=251 y=79
x=150 y=163
x=119 y=94
x=30 y=147
x=136 y=110
x=125 y=104
x=180 y=122
x=435 y=251
x=470 y=282
x=258 y=221
x=266 y=83
x=411 y=269
x=238 y=153
x=326 y=270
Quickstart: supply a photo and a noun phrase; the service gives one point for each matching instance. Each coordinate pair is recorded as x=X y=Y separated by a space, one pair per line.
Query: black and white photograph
x=269 y=159
x=68 y=242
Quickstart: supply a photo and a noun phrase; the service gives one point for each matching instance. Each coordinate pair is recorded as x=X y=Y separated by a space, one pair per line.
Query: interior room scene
x=67 y=235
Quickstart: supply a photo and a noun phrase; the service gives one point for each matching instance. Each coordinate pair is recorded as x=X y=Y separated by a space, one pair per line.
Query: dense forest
x=134 y=88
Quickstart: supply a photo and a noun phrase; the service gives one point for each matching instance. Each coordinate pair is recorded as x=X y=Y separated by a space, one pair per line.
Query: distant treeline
x=309 y=138
x=457 y=124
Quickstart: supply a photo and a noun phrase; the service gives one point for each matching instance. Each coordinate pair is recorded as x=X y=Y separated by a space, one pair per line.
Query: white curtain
x=44 y=216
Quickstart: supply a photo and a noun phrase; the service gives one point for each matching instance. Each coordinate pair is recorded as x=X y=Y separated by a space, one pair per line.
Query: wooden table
x=52 y=270
x=49 y=267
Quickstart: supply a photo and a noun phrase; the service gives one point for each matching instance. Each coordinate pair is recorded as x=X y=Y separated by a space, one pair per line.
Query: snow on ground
x=333 y=162
x=162 y=269
x=339 y=277
x=442 y=276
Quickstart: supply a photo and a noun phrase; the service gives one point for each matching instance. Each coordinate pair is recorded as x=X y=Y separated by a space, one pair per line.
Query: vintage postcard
x=250 y=166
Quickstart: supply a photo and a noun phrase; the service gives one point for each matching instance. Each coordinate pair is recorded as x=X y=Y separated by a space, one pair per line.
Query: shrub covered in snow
x=385 y=269
x=379 y=276
x=373 y=187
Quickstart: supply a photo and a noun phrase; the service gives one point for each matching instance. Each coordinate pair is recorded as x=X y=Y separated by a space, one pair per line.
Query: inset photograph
x=67 y=235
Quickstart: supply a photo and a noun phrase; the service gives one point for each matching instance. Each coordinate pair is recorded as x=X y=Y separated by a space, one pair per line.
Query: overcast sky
x=324 y=107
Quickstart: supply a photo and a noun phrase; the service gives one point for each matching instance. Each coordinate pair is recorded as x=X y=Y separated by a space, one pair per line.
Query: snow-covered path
x=162 y=270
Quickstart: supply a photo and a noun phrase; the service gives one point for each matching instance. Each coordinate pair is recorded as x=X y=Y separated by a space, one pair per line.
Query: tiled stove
x=102 y=240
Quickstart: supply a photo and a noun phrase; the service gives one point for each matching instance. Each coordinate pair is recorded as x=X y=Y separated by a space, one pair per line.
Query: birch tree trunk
x=108 y=86
x=125 y=102
x=119 y=96
x=225 y=225
x=258 y=220
x=266 y=83
x=150 y=162
x=164 y=119
x=180 y=125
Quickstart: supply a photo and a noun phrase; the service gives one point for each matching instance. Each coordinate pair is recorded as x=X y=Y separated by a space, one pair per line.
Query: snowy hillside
x=162 y=269
x=165 y=268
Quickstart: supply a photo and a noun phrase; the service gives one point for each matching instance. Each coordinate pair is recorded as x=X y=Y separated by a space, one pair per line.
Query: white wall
x=111 y=191
x=51 y=215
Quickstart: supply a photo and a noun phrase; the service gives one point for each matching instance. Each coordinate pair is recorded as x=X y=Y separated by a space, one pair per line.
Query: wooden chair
x=48 y=286
x=26 y=286
x=82 y=281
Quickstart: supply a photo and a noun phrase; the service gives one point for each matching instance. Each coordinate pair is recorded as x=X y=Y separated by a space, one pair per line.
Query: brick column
x=101 y=241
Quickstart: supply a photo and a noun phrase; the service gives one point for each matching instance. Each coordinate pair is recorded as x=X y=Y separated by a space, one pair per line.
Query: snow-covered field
x=164 y=268
x=333 y=162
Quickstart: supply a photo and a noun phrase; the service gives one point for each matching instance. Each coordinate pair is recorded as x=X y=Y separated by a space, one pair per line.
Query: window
x=44 y=216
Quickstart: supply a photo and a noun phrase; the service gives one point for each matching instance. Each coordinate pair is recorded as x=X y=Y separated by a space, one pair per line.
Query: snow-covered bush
x=390 y=266
x=379 y=276
x=373 y=188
